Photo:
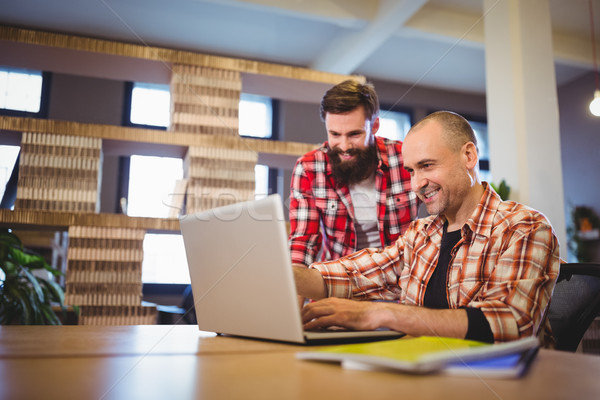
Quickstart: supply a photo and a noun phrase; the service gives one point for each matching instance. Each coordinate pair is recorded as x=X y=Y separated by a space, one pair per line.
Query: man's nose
x=417 y=182
x=344 y=144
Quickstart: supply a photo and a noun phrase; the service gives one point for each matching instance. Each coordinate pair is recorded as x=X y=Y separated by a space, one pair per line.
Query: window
x=150 y=105
x=152 y=180
x=261 y=173
x=151 y=185
x=481 y=131
x=8 y=157
x=164 y=259
x=21 y=90
x=255 y=116
x=393 y=124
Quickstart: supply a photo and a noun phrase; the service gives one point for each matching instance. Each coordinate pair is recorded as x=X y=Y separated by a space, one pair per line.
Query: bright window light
x=151 y=186
x=261 y=177
x=481 y=131
x=164 y=259
x=20 y=90
x=8 y=157
x=255 y=116
x=152 y=183
x=150 y=104
x=393 y=125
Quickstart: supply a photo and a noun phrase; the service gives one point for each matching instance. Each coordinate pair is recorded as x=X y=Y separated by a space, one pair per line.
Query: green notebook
x=417 y=355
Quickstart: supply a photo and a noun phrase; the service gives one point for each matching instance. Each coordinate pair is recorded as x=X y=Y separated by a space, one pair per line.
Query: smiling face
x=351 y=130
x=351 y=140
x=442 y=177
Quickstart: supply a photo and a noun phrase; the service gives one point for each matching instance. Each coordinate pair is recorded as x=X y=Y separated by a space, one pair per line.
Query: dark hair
x=457 y=130
x=348 y=95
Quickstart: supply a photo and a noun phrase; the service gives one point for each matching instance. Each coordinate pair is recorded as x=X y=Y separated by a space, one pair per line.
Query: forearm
x=368 y=315
x=309 y=282
x=421 y=321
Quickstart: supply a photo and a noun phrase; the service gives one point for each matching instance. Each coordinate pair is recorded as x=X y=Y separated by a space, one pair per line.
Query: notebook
x=242 y=278
x=426 y=354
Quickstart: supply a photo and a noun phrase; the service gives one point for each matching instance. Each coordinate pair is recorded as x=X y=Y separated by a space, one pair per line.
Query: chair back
x=575 y=303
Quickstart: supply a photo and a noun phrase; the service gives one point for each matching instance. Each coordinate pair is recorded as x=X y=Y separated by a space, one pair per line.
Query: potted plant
x=26 y=298
x=502 y=189
x=582 y=232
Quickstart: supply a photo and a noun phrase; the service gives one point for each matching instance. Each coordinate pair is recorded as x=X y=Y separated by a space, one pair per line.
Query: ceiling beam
x=447 y=25
x=347 y=51
x=344 y=13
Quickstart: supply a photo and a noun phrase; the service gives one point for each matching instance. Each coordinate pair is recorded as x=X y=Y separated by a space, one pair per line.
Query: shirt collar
x=382 y=152
x=481 y=221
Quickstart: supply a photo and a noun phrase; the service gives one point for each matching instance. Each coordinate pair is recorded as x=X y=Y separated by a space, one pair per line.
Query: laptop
x=242 y=279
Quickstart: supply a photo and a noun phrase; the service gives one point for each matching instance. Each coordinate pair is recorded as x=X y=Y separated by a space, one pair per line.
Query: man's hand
x=369 y=315
x=351 y=314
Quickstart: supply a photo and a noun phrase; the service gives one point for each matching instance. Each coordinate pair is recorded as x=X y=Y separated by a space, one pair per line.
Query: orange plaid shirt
x=506 y=264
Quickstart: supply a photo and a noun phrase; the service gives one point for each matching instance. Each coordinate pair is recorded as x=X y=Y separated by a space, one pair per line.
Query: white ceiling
x=436 y=43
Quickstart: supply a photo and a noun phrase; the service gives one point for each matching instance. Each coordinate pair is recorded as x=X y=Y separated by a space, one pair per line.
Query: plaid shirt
x=318 y=206
x=506 y=264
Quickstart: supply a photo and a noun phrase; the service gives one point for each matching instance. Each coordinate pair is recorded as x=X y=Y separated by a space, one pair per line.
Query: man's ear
x=470 y=155
x=375 y=126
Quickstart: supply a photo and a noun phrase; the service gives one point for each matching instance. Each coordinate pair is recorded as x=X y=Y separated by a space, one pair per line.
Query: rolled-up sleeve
x=368 y=274
x=518 y=291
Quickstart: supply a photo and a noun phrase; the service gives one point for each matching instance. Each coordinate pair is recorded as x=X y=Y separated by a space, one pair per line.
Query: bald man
x=478 y=267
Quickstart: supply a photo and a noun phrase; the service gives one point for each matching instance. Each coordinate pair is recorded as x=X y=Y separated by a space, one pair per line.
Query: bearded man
x=352 y=192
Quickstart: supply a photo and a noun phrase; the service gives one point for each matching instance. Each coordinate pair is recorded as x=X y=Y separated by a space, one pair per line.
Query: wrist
x=385 y=315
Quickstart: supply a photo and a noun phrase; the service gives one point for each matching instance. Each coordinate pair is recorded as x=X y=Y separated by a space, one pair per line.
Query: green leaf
x=10 y=239
x=31 y=261
x=9 y=268
x=502 y=189
x=35 y=317
x=24 y=308
x=36 y=285
x=53 y=271
x=54 y=290
x=25 y=298
x=48 y=315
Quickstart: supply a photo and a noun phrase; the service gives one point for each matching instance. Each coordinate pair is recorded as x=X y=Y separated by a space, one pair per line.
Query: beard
x=356 y=170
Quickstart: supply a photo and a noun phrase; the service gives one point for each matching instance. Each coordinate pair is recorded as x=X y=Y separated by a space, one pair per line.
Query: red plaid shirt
x=506 y=264
x=318 y=207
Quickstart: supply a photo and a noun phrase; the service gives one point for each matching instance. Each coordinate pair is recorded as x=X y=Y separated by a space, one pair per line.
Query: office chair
x=575 y=303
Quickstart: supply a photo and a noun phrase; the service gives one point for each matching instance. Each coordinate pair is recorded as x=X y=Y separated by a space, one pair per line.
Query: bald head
x=440 y=154
x=456 y=130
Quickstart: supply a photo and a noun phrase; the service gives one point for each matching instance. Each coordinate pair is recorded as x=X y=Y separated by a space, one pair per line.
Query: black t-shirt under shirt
x=435 y=294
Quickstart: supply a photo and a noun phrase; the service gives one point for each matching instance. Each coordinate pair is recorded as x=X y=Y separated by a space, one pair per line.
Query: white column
x=522 y=106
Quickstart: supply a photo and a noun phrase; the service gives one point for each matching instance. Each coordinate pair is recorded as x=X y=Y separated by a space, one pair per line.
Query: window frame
x=44 y=98
x=126 y=118
x=394 y=108
x=484 y=164
x=125 y=166
x=274 y=105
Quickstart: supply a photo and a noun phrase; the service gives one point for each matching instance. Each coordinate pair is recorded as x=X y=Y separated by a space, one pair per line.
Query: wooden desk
x=206 y=366
x=134 y=340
